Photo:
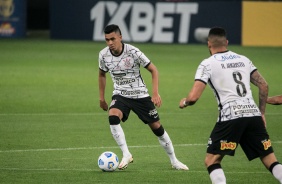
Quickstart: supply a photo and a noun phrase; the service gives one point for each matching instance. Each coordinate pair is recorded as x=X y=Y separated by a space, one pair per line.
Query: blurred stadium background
x=250 y=23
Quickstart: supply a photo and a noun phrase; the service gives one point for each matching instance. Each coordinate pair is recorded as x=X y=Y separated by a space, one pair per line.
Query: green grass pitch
x=52 y=129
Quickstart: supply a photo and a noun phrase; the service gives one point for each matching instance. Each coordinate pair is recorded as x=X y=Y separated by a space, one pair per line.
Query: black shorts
x=249 y=132
x=142 y=107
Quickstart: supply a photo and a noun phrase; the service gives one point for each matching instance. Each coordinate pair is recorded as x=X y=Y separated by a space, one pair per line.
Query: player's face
x=113 y=40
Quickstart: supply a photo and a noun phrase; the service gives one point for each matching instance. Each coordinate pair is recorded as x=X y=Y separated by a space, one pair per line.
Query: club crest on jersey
x=266 y=144
x=227 y=145
x=127 y=63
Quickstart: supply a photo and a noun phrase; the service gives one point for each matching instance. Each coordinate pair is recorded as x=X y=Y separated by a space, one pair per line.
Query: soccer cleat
x=179 y=166
x=124 y=162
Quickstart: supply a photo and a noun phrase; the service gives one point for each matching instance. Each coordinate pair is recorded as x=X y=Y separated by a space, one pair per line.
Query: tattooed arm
x=258 y=80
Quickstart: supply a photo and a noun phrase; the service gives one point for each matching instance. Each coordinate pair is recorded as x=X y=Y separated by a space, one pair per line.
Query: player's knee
x=114 y=120
x=212 y=159
x=207 y=162
x=159 y=131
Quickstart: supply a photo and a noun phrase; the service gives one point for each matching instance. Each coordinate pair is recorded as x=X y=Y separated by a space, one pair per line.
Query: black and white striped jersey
x=125 y=71
x=228 y=74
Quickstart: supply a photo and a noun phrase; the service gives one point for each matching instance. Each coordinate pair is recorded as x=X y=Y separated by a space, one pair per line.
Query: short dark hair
x=217 y=37
x=217 y=31
x=112 y=28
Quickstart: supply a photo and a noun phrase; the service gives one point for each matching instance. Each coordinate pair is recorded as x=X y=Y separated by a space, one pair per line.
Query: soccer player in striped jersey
x=123 y=62
x=240 y=120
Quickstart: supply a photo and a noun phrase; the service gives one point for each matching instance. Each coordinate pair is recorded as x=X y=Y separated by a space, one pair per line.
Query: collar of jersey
x=222 y=52
x=120 y=52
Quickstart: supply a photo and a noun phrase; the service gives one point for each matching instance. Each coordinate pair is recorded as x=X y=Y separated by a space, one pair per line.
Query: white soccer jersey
x=228 y=74
x=125 y=71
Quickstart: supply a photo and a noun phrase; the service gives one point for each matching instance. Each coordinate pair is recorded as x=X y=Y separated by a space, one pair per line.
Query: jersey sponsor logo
x=235 y=109
x=266 y=144
x=221 y=57
x=203 y=70
x=136 y=92
x=121 y=81
x=119 y=74
x=244 y=109
x=227 y=145
x=239 y=107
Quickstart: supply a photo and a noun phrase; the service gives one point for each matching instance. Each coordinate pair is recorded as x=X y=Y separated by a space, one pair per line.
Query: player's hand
x=156 y=99
x=181 y=103
x=103 y=105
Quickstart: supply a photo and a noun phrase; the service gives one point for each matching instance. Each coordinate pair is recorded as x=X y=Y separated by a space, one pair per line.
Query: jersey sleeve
x=144 y=61
x=252 y=67
x=102 y=65
x=203 y=72
x=140 y=57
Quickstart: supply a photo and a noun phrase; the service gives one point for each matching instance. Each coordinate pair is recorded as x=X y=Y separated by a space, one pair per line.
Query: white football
x=108 y=161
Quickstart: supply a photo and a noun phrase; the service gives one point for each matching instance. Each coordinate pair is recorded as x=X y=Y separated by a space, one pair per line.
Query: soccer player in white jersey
x=240 y=120
x=123 y=62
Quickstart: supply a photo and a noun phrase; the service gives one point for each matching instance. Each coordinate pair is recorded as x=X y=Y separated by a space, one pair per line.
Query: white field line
x=102 y=147
x=91 y=148
x=91 y=170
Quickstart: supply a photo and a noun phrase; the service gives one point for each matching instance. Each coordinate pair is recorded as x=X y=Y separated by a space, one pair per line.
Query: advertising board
x=145 y=21
x=12 y=18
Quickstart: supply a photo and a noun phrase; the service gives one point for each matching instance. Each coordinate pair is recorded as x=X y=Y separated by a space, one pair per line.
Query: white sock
x=119 y=137
x=217 y=176
x=167 y=145
x=277 y=172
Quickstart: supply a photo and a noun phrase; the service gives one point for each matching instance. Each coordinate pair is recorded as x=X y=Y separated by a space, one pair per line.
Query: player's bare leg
x=271 y=163
x=216 y=173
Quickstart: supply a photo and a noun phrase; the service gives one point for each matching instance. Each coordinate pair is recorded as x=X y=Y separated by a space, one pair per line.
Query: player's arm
x=195 y=93
x=156 y=98
x=274 y=100
x=259 y=81
x=102 y=87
